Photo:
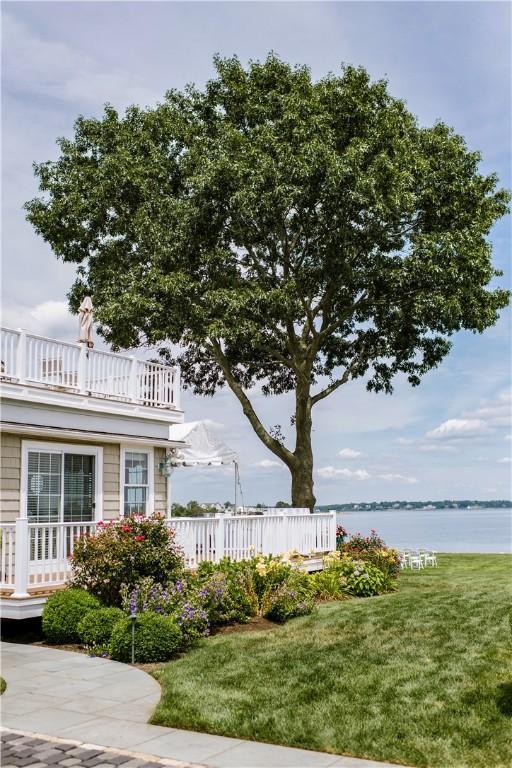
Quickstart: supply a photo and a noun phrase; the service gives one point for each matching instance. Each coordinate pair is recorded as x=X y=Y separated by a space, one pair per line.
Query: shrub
x=372 y=549
x=365 y=579
x=354 y=577
x=326 y=584
x=290 y=598
x=228 y=598
x=63 y=612
x=123 y=552
x=178 y=600
x=95 y=629
x=385 y=559
x=157 y=638
x=364 y=543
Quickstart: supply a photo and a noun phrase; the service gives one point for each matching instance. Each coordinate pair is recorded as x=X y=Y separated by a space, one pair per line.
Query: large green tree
x=286 y=232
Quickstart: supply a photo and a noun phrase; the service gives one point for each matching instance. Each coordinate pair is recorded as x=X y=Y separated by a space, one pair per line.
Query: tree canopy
x=285 y=232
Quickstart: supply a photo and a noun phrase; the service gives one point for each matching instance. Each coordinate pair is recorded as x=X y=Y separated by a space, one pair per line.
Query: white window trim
x=89 y=450
x=148 y=449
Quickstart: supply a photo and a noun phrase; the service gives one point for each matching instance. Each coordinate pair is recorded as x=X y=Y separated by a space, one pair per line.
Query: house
x=85 y=437
x=88 y=436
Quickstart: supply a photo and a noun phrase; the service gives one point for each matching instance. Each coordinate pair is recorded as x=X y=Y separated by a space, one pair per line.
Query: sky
x=448 y=438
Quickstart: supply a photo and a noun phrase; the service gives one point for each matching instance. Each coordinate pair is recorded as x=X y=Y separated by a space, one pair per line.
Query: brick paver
x=24 y=750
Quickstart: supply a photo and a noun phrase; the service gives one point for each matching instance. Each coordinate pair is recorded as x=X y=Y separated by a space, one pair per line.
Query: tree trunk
x=302 y=468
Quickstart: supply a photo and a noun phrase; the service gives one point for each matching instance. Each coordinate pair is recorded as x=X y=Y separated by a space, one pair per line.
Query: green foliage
x=191 y=509
x=95 y=628
x=157 y=638
x=354 y=577
x=372 y=549
x=235 y=591
x=326 y=584
x=228 y=597
x=63 y=612
x=418 y=678
x=292 y=597
x=179 y=601
x=282 y=231
x=123 y=552
x=3 y=685
x=363 y=579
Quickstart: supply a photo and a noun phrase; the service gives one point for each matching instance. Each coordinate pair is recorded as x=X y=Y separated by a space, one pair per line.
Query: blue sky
x=448 y=438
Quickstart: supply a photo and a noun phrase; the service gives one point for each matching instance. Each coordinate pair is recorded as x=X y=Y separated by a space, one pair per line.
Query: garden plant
x=130 y=573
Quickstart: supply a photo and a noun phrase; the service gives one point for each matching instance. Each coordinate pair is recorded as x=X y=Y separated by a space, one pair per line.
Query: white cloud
x=50 y=318
x=505 y=460
x=44 y=67
x=349 y=453
x=405 y=441
x=436 y=448
x=331 y=472
x=454 y=429
x=508 y=437
x=496 y=412
x=397 y=478
x=268 y=464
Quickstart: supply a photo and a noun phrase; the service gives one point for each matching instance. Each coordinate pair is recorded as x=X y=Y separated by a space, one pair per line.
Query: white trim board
x=77 y=434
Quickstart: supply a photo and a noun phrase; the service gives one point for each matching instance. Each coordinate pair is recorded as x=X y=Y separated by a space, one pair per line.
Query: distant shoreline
x=411 y=506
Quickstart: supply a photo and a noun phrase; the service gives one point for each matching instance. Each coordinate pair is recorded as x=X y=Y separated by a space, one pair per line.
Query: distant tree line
x=445 y=504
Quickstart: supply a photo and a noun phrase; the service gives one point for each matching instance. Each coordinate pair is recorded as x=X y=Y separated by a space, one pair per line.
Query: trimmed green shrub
x=96 y=626
x=63 y=612
x=157 y=638
x=123 y=552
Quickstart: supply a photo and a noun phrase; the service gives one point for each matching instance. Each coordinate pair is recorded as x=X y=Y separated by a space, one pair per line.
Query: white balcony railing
x=27 y=358
x=35 y=555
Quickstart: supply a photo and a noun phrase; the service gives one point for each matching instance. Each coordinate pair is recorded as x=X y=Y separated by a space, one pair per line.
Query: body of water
x=445 y=530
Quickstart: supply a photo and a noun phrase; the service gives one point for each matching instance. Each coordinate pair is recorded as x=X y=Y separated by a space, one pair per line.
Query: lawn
x=421 y=677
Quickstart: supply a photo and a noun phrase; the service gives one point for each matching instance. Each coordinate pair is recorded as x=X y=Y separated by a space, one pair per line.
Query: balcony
x=36 y=361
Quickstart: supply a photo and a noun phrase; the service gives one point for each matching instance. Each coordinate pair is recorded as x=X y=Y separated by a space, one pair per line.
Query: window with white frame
x=61 y=482
x=137 y=482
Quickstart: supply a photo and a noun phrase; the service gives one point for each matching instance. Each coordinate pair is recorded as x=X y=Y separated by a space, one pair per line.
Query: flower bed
x=130 y=585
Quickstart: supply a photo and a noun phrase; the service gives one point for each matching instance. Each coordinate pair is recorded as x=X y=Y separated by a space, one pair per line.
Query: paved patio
x=96 y=703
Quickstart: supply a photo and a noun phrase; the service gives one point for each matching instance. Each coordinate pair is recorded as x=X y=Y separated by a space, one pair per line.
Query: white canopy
x=202 y=447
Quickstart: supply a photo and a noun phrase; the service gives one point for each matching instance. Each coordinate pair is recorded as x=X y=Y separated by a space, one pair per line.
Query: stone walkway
x=93 y=704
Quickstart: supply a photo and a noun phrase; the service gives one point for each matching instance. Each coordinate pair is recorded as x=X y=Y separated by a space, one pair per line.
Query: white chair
x=431 y=559
x=415 y=560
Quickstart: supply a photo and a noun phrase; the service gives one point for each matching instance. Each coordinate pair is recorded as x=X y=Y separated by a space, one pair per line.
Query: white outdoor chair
x=415 y=560
x=431 y=559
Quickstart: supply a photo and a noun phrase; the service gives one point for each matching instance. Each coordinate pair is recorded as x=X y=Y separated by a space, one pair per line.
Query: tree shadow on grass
x=504 y=699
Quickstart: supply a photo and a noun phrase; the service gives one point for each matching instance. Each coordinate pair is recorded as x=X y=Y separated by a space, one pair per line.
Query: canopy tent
x=201 y=446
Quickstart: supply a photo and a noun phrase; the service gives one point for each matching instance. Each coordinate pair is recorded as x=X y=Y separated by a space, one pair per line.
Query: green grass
x=421 y=677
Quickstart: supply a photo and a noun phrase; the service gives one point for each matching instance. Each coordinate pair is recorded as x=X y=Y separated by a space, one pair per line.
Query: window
x=61 y=483
x=137 y=473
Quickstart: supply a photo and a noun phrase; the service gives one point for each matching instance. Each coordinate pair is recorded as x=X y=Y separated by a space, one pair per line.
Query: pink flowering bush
x=123 y=552
x=373 y=549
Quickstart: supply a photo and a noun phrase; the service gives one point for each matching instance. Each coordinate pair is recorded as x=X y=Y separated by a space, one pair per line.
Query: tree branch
x=271 y=443
x=333 y=386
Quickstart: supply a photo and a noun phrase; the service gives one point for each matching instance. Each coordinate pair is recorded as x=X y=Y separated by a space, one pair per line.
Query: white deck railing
x=27 y=358
x=37 y=554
